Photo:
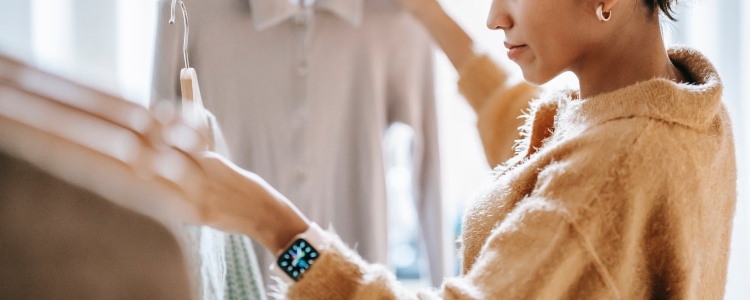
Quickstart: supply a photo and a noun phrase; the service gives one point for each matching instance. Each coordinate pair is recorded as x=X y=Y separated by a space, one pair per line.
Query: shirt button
x=302 y=112
x=301 y=174
x=302 y=69
x=303 y=16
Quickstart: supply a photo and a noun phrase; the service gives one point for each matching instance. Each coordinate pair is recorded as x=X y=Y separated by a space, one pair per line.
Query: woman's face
x=547 y=37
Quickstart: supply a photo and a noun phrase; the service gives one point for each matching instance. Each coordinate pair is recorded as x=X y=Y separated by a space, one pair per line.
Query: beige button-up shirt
x=304 y=93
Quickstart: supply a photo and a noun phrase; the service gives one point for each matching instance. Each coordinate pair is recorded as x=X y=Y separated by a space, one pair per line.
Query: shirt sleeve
x=498 y=106
x=538 y=251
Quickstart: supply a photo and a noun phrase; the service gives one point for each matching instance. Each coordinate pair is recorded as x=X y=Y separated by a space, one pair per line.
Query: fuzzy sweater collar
x=693 y=105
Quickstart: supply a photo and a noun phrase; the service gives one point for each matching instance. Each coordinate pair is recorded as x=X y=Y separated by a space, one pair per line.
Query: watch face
x=297 y=259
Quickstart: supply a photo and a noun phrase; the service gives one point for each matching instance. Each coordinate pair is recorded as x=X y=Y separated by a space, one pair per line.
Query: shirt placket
x=301 y=114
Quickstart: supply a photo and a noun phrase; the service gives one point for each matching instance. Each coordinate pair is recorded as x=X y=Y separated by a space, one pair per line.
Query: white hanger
x=192 y=103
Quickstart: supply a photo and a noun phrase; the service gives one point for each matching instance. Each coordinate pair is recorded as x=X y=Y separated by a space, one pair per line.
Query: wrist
x=285 y=236
x=281 y=227
x=281 y=222
x=298 y=257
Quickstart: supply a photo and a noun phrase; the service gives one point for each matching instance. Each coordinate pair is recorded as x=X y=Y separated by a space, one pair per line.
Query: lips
x=515 y=51
x=511 y=46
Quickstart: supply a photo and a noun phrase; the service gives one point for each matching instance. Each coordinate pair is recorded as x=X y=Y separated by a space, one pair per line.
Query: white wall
x=15 y=21
x=104 y=43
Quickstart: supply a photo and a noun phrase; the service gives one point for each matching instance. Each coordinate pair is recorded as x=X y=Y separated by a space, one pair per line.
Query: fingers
x=91 y=170
x=111 y=160
x=112 y=147
x=40 y=85
x=184 y=137
x=73 y=125
x=173 y=130
x=123 y=113
x=106 y=138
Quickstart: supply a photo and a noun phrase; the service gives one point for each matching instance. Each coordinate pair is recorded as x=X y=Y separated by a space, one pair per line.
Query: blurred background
x=109 y=44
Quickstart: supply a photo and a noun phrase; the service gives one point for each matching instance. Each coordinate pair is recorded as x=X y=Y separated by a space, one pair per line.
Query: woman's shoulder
x=637 y=148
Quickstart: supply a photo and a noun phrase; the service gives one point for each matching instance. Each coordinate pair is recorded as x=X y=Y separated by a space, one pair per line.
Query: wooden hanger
x=192 y=103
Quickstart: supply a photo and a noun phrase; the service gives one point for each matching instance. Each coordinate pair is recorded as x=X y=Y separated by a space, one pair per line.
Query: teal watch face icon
x=297 y=259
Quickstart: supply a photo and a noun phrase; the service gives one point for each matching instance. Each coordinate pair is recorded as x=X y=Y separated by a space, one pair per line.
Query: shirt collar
x=267 y=13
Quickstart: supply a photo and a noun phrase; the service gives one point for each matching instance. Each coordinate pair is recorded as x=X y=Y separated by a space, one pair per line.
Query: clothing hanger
x=192 y=103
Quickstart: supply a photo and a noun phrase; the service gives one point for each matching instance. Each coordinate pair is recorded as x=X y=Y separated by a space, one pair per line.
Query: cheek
x=555 y=43
x=549 y=55
x=556 y=51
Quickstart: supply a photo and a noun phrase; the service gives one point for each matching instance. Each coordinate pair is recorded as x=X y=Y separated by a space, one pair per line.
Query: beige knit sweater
x=626 y=195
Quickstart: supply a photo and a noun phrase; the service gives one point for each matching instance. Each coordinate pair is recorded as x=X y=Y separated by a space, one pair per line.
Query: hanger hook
x=187 y=30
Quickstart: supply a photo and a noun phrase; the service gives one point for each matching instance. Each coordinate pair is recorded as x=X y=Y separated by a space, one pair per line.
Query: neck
x=630 y=58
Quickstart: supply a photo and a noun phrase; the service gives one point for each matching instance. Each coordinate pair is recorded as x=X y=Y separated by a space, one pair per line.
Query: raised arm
x=498 y=104
x=453 y=40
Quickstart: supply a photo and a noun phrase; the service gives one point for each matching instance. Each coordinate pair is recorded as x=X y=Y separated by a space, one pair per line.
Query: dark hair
x=664 y=5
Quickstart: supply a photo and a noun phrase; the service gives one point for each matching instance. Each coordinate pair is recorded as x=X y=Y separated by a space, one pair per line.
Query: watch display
x=297 y=259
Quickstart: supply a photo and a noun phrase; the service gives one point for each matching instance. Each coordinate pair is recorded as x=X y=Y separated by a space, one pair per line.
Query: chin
x=536 y=76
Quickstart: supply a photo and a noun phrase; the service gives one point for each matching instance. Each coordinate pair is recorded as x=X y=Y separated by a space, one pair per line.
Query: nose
x=499 y=18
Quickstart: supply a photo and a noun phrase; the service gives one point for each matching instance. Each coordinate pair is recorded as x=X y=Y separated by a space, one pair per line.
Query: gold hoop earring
x=600 y=14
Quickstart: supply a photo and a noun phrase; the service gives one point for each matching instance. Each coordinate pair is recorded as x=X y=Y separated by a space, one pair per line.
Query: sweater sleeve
x=538 y=251
x=534 y=254
x=498 y=106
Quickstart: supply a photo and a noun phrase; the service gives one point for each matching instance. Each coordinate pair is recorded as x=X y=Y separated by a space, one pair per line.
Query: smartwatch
x=300 y=255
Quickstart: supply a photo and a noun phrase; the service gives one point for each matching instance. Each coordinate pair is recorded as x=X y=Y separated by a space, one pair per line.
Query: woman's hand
x=152 y=163
x=235 y=200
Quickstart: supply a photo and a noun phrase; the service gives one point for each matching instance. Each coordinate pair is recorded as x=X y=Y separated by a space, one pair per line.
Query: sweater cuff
x=479 y=79
x=336 y=274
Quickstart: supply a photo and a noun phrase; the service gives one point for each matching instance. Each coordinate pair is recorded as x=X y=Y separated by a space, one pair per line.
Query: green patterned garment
x=243 y=279
x=242 y=276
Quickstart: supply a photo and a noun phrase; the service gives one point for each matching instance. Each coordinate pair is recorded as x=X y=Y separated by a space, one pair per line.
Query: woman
x=622 y=190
